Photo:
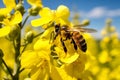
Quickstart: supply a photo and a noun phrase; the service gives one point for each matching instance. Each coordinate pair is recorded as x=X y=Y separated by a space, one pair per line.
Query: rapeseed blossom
x=70 y=63
x=37 y=61
x=47 y=15
x=9 y=23
x=9 y=20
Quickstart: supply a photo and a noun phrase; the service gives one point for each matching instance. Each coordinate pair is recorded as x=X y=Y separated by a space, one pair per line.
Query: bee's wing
x=79 y=25
x=79 y=29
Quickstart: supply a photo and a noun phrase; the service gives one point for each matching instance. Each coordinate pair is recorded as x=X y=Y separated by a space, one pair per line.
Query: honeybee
x=73 y=34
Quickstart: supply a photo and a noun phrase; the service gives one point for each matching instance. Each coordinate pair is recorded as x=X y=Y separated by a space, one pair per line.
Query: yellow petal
x=40 y=21
x=55 y=74
x=4 y=31
x=63 y=21
x=46 y=12
x=9 y=3
x=16 y=18
x=6 y=22
x=4 y=11
x=42 y=44
x=35 y=2
x=38 y=73
x=47 y=34
x=63 y=75
x=29 y=59
x=71 y=58
x=63 y=12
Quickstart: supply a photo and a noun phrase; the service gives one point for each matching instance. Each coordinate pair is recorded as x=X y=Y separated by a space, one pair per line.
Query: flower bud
x=20 y=8
x=104 y=32
x=63 y=12
x=15 y=30
x=108 y=21
x=29 y=36
x=86 y=22
x=34 y=11
x=112 y=29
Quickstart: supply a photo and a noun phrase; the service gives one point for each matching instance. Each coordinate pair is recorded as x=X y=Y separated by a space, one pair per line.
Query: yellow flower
x=8 y=24
x=58 y=16
x=77 y=67
x=39 y=63
x=71 y=54
x=10 y=4
x=37 y=60
x=74 y=70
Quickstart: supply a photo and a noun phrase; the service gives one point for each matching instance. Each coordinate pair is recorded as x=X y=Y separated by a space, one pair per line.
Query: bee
x=73 y=34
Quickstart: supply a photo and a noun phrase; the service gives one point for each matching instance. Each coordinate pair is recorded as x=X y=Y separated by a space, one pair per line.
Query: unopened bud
x=15 y=30
x=86 y=22
x=20 y=8
x=109 y=21
x=112 y=29
x=29 y=36
x=34 y=10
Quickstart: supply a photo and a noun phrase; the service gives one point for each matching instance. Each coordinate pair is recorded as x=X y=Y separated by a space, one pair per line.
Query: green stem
x=7 y=68
x=38 y=34
x=17 y=44
x=24 y=47
x=21 y=70
x=17 y=61
x=25 y=21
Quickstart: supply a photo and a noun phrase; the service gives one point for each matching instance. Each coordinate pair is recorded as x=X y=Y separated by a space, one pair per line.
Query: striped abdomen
x=79 y=41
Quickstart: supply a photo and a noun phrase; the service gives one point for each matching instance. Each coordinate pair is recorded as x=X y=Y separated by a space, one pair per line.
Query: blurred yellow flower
x=104 y=57
x=112 y=29
x=103 y=75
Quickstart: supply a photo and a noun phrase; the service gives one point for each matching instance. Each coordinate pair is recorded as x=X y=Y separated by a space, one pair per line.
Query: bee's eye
x=57 y=28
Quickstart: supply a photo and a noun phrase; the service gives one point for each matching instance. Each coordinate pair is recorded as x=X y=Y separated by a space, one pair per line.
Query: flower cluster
x=47 y=55
x=48 y=59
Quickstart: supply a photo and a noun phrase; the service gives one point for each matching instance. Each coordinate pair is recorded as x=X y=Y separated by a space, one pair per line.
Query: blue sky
x=97 y=11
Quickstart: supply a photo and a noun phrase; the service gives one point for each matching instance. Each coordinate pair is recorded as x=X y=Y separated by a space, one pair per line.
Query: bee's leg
x=75 y=46
x=63 y=44
x=52 y=37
